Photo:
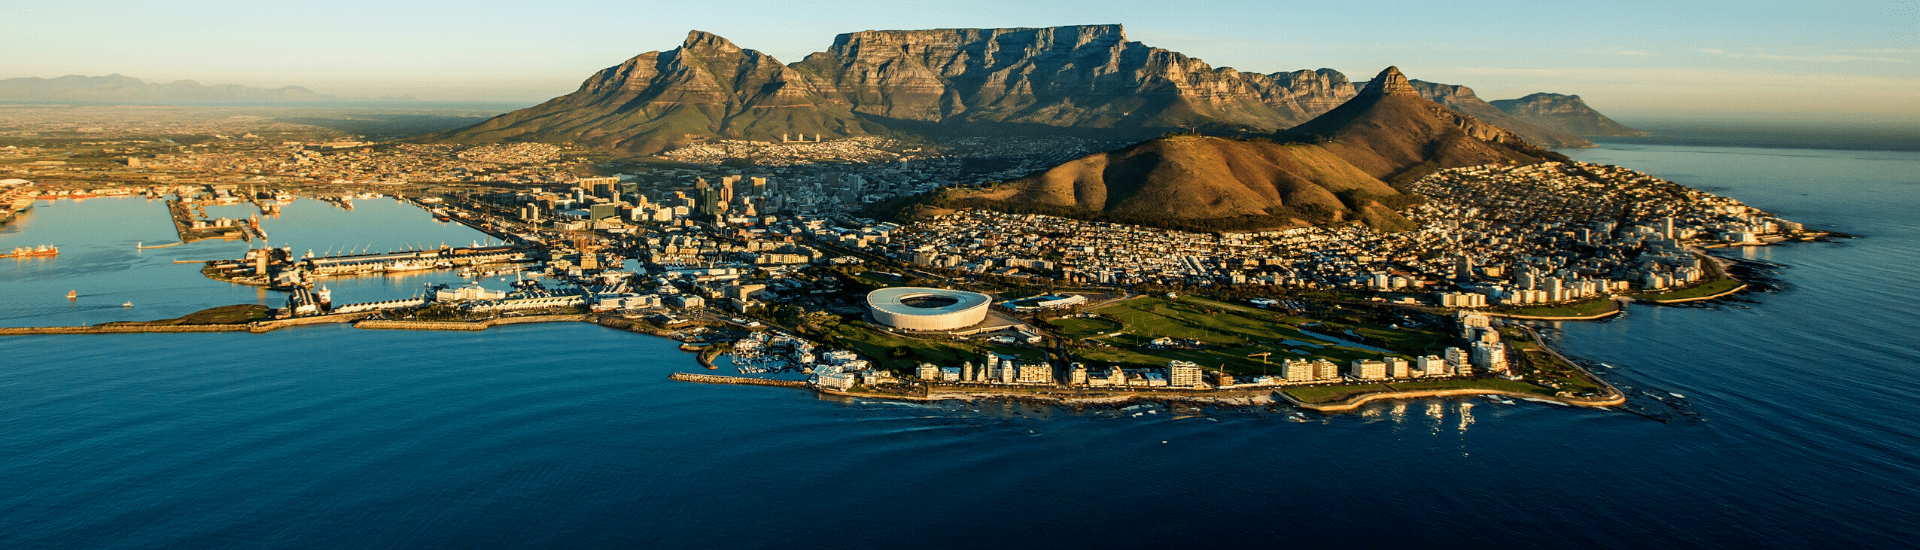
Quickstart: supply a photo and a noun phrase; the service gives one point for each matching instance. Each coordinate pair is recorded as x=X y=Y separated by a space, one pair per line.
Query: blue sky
x=1851 y=60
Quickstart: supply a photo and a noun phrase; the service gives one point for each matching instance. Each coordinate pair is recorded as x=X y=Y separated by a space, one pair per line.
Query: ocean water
x=1799 y=428
x=99 y=260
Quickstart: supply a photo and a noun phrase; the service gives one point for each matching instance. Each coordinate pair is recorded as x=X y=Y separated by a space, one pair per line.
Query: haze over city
x=1637 y=60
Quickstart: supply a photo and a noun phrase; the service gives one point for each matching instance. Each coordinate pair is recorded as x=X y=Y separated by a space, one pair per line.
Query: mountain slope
x=124 y=89
x=1392 y=133
x=1566 y=113
x=655 y=101
x=1330 y=169
x=1462 y=98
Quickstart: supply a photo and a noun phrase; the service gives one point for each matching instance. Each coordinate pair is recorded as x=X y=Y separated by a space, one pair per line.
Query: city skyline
x=1640 y=61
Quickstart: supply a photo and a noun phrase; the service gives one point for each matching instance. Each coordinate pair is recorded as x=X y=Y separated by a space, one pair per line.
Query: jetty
x=736 y=380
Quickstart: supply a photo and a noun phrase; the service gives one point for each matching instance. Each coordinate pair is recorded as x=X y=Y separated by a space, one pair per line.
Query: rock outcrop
x=1565 y=113
x=706 y=88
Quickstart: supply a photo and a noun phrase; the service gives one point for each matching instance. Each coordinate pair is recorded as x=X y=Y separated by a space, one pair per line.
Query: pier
x=736 y=380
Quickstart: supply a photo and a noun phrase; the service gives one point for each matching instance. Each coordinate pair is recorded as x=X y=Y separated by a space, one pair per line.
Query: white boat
x=127 y=305
x=1676 y=395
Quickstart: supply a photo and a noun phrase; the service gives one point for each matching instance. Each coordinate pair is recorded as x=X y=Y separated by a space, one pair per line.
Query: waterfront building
x=1459 y=360
x=1325 y=370
x=1490 y=356
x=1183 y=374
x=1077 y=375
x=1397 y=367
x=1297 y=370
x=1367 y=369
x=1035 y=373
x=1431 y=365
x=927 y=371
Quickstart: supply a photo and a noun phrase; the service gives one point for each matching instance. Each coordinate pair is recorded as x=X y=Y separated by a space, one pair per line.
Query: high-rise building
x=1325 y=370
x=1183 y=374
x=1367 y=369
x=1398 y=368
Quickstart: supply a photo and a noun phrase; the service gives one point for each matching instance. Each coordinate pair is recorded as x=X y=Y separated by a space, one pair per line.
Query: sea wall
x=119 y=329
x=383 y=324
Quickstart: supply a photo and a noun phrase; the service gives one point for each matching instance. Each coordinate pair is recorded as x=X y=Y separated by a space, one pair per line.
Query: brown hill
x=1333 y=168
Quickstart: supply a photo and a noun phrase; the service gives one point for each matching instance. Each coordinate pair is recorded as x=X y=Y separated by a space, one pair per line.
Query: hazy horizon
x=1638 y=60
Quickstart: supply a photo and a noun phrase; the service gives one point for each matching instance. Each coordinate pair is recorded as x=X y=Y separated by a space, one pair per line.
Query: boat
x=407 y=266
x=39 y=251
x=1676 y=395
x=1606 y=365
x=73 y=294
x=128 y=305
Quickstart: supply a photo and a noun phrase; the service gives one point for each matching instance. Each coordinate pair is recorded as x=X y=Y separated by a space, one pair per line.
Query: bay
x=1799 y=428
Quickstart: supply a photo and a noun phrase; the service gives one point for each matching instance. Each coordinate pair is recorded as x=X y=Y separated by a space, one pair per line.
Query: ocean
x=1796 y=424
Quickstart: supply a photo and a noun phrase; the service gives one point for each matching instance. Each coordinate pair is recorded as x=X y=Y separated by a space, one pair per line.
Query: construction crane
x=1262 y=355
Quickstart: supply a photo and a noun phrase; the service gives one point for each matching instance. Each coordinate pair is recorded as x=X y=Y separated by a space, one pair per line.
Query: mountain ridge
x=1085 y=80
x=118 y=88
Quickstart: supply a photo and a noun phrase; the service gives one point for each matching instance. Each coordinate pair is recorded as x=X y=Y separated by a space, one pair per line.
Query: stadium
x=914 y=308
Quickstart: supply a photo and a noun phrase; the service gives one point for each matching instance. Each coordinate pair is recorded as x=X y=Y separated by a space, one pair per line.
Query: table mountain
x=1566 y=113
x=1081 y=77
x=1086 y=80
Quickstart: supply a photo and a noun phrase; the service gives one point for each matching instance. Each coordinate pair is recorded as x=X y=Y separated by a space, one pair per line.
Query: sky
x=1825 y=60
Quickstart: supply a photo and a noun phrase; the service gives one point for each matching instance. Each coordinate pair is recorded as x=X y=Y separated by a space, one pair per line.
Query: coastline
x=1356 y=401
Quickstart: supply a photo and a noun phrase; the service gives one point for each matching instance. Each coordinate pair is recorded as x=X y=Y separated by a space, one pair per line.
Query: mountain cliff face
x=124 y=89
x=707 y=87
x=1333 y=168
x=1566 y=113
x=1078 y=76
x=1077 y=80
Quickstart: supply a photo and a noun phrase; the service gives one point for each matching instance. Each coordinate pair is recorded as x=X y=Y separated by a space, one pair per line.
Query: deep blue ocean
x=1799 y=426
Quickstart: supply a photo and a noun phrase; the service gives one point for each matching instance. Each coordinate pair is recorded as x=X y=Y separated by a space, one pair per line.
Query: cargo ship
x=42 y=250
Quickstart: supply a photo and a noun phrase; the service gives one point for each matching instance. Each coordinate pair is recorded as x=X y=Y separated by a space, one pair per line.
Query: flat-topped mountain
x=125 y=89
x=1336 y=167
x=1087 y=76
x=1566 y=113
x=1086 y=80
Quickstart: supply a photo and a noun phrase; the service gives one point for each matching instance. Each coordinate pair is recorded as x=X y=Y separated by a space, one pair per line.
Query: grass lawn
x=1075 y=328
x=1327 y=394
x=1233 y=332
x=223 y=315
x=1708 y=289
x=1578 y=309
